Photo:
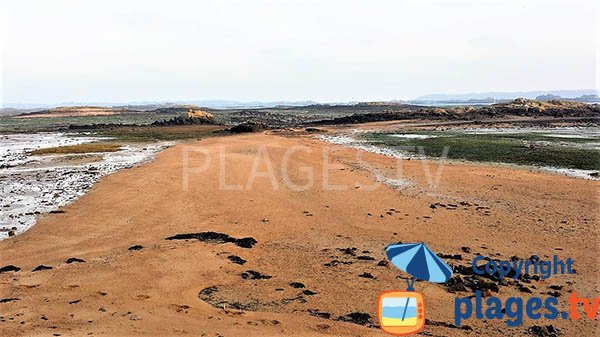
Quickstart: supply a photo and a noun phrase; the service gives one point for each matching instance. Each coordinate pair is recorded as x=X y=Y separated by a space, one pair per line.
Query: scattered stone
x=349 y=250
x=360 y=318
x=297 y=285
x=135 y=318
x=365 y=258
x=74 y=302
x=451 y=256
x=136 y=247
x=57 y=212
x=334 y=263
x=320 y=314
x=184 y=308
x=246 y=242
x=9 y=268
x=309 y=292
x=74 y=259
x=544 y=331
x=473 y=282
x=41 y=267
x=236 y=259
x=254 y=275
x=7 y=300
x=524 y=289
x=383 y=263
x=367 y=275
x=466 y=249
x=216 y=238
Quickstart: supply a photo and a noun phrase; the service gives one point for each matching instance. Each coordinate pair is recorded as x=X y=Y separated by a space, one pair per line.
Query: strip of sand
x=329 y=240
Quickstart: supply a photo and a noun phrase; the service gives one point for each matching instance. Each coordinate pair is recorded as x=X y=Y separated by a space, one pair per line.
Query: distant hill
x=80 y=111
x=12 y=108
x=507 y=95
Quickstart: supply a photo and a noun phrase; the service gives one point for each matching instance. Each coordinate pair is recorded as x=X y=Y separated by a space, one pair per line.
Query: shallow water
x=35 y=185
x=563 y=136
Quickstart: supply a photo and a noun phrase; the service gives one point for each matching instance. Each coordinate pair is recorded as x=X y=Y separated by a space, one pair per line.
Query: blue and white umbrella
x=419 y=261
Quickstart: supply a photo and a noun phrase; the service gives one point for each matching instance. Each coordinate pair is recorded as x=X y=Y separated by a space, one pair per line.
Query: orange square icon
x=401 y=312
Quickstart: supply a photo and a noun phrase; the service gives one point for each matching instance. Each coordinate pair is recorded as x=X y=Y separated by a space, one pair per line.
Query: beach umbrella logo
x=402 y=312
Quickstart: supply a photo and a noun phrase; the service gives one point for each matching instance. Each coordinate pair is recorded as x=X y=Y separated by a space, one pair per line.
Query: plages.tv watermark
x=403 y=312
x=280 y=173
x=513 y=309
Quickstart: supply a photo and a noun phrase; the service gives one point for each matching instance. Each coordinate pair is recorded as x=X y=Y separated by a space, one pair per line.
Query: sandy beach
x=315 y=268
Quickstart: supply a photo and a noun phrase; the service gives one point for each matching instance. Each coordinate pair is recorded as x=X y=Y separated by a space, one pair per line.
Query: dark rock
x=544 y=331
x=309 y=292
x=248 y=127
x=246 y=242
x=367 y=275
x=365 y=258
x=383 y=263
x=360 y=318
x=9 y=268
x=463 y=270
x=456 y=284
x=216 y=238
x=451 y=256
x=296 y=285
x=136 y=247
x=320 y=314
x=74 y=259
x=334 y=263
x=254 y=275
x=524 y=289
x=57 y=212
x=181 y=120
x=207 y=292
x=236 y=259
x=209 y=237
x=349 y=250
x=6 y=300
x=41 y=267
x=74 y=302
x=466 y=249
x=473 y=282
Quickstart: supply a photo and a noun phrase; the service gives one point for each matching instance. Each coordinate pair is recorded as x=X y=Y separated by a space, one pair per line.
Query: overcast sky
x=120 y=51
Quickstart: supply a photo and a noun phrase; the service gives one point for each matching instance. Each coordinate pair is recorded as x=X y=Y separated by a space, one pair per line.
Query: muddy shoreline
x=31 y=186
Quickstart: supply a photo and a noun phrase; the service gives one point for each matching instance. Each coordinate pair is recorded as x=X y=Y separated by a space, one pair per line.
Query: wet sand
x=330 y=241
x=37 y=184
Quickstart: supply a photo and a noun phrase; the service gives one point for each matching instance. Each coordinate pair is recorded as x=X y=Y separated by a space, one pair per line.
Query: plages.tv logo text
x=513 y=309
